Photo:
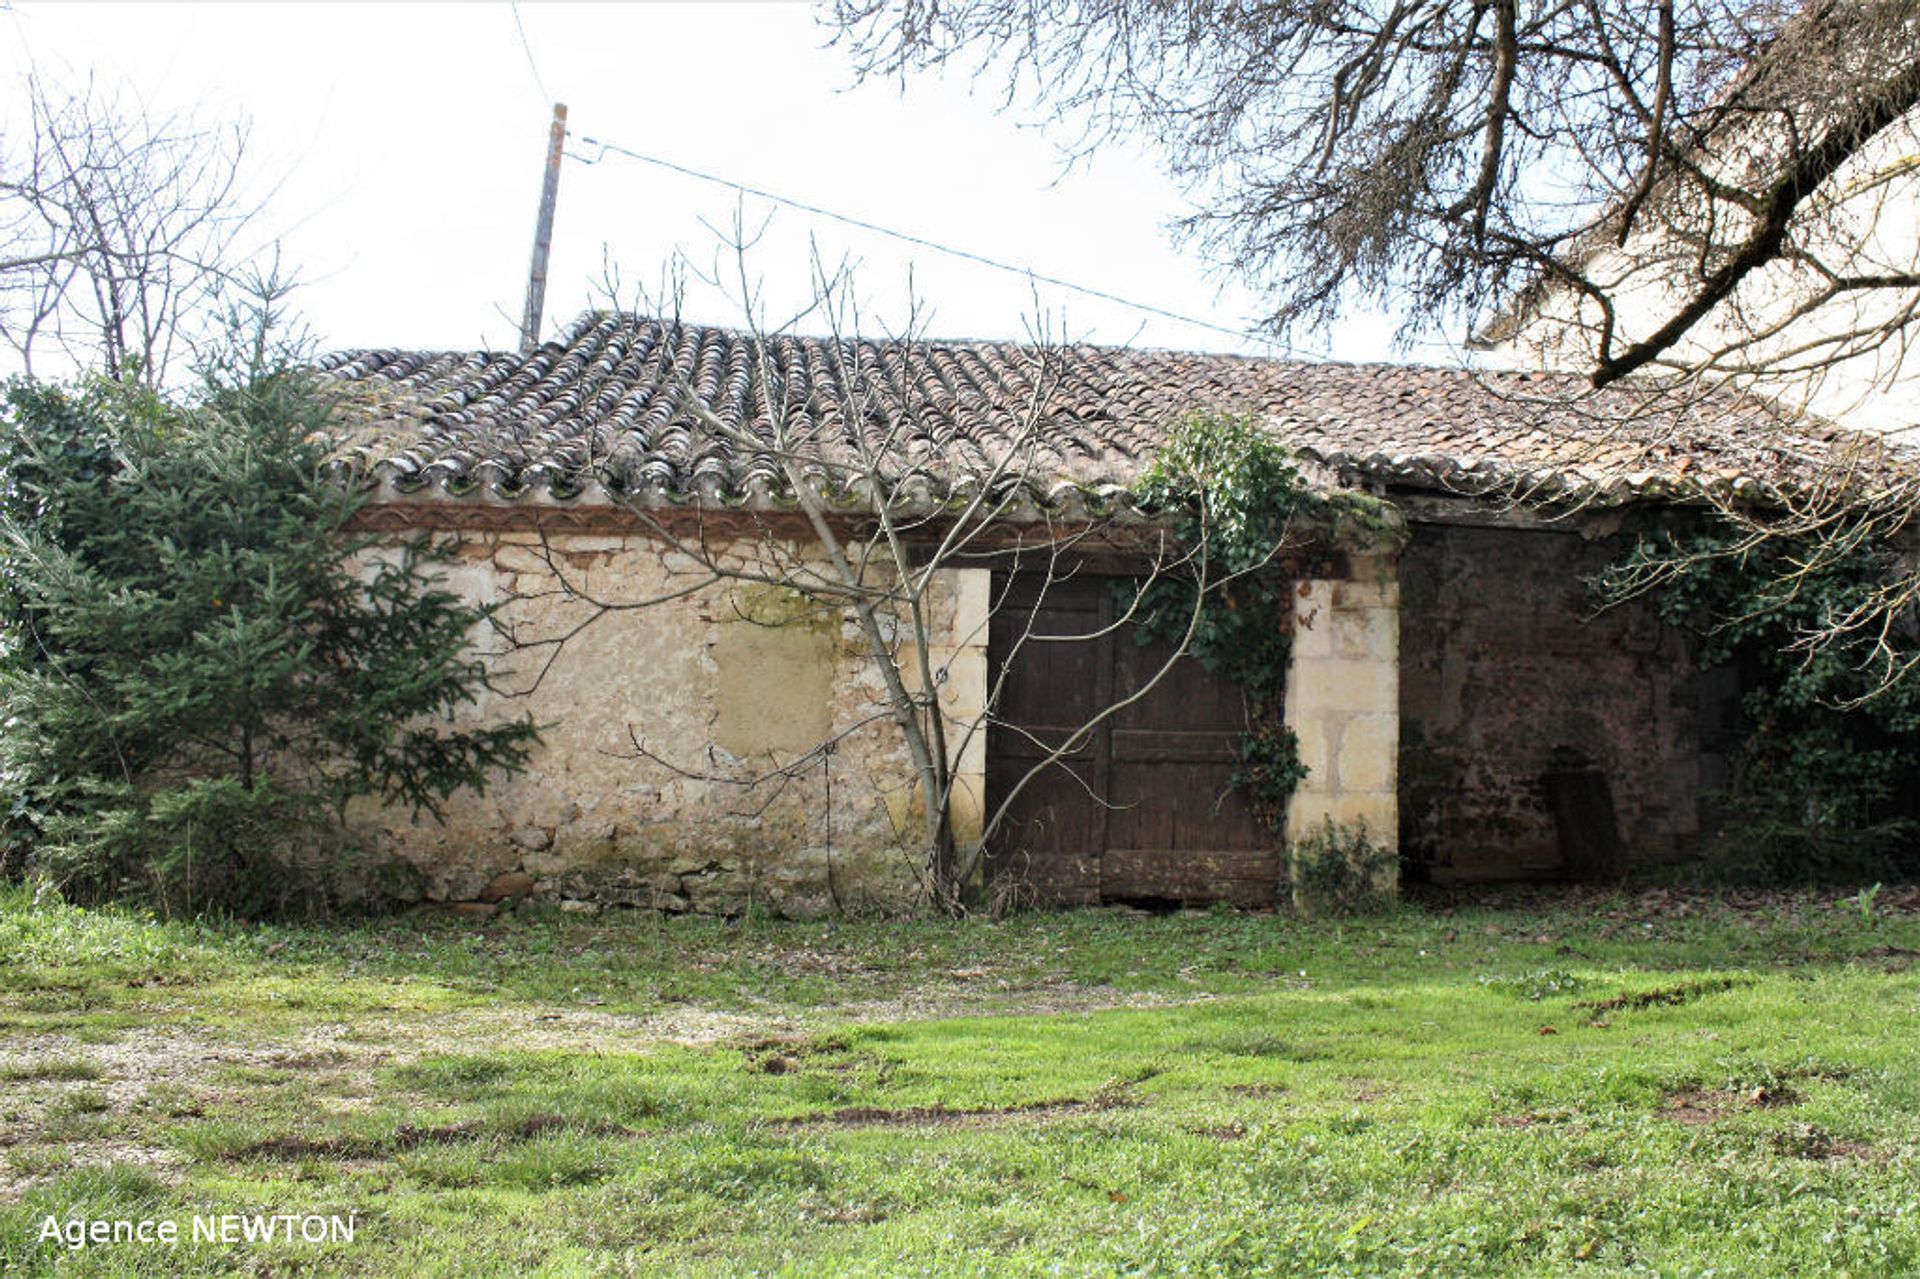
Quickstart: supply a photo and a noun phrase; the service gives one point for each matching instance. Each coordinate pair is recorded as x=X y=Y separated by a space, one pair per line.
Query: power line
x=978 y=259
x=513 y=6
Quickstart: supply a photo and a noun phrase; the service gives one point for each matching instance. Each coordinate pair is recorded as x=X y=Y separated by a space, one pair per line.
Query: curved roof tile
x=605 y=409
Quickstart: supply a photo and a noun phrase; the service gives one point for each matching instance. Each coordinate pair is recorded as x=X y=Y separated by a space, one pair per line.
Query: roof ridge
x=591 y=318
x=606 y=403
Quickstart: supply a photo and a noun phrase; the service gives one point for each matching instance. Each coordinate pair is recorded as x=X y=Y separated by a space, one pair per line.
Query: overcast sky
x=404 y=144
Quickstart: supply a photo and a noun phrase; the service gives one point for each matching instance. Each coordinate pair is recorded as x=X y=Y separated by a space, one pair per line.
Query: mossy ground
x=1671 y=1085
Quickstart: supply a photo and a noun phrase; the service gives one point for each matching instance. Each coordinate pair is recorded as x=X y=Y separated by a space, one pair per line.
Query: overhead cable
x=979 y=259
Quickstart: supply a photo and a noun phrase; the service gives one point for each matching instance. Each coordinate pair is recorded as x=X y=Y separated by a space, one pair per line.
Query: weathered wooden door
x=1142 y=810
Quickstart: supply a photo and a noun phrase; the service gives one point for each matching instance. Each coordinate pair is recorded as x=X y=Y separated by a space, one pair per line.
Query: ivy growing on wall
x=1231 y=494
x=1822 y=778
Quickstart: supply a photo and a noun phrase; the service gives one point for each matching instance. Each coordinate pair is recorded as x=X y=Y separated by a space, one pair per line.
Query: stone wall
x=1343 y=701
x=1526 y=714
x=724 y=684
x=1465 y=703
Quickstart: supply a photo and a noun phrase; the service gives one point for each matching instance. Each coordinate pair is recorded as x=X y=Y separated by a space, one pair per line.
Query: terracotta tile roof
x=601 y=411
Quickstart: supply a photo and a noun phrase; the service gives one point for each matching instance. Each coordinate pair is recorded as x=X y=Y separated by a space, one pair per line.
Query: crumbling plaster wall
x=729 y=682
x=1509 y=671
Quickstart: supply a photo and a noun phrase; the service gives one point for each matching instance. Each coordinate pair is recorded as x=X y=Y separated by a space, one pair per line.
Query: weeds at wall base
x=1338 y=869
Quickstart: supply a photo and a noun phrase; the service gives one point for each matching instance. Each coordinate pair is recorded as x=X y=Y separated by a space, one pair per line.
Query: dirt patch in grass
x=76 y=1093
x=317 y=1059
x=790 y=1053
x=412 y=1137
x=63 y=1069
x=1804 y=1141
x=952 y=1116
x=1704 y=1105
x=798 y=1045
x=1660 y=997
x=1534 y=1119
x=1697 y=1105
x=536 y=1027
x=1892 y=959
x=405 y=1137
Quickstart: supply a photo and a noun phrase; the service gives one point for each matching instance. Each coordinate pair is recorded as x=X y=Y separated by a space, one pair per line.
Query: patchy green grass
x=1666 y=1084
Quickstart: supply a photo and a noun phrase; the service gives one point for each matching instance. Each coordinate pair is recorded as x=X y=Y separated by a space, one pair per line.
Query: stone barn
x=1454 y=689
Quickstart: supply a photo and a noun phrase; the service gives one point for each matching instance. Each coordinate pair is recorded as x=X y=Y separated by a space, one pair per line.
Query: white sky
x=407 y=144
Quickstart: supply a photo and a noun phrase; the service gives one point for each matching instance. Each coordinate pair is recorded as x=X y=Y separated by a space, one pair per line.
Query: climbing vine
x=1231 y=494
x=1821 y=784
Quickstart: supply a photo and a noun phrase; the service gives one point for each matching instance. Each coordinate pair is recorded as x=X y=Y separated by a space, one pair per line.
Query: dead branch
x=118 y=228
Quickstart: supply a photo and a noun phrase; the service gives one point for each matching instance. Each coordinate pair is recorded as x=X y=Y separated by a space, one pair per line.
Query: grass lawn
x=1590 y=1085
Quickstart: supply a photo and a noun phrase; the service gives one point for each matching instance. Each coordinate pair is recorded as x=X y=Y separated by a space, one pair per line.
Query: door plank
x=1145 y=808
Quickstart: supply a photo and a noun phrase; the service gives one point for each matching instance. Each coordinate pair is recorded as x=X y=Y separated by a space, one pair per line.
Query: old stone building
x=1452 y=689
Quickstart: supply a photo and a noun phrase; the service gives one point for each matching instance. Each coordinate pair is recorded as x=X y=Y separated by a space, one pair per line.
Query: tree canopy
x=1446 y=155
x=203 y=659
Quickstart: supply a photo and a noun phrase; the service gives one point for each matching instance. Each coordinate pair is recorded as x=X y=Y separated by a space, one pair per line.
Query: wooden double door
x=1143 y=809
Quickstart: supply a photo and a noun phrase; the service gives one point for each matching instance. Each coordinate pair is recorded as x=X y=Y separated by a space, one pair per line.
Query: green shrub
x=204 y=661
x=1339 y=870
x=1831 y=735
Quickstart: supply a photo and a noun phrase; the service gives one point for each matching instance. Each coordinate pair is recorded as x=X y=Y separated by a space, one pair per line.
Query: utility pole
x=543 y=232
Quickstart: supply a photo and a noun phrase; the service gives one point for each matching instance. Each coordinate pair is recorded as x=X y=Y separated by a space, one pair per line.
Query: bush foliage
x=1233 y=493
x=1823 y=777
x=204 y=662
x=1339 y=870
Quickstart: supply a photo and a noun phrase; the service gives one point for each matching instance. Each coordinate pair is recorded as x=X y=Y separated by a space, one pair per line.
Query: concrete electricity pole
x=543 y=232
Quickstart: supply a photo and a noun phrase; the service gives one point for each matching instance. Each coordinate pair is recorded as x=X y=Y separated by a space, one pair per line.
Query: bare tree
x=1674 y=201
x=117 y=226
x=1447 y=157
x=877 y=500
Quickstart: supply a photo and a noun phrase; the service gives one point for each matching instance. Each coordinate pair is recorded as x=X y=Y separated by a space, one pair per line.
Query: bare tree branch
x=117 y=229
x=879 y=498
